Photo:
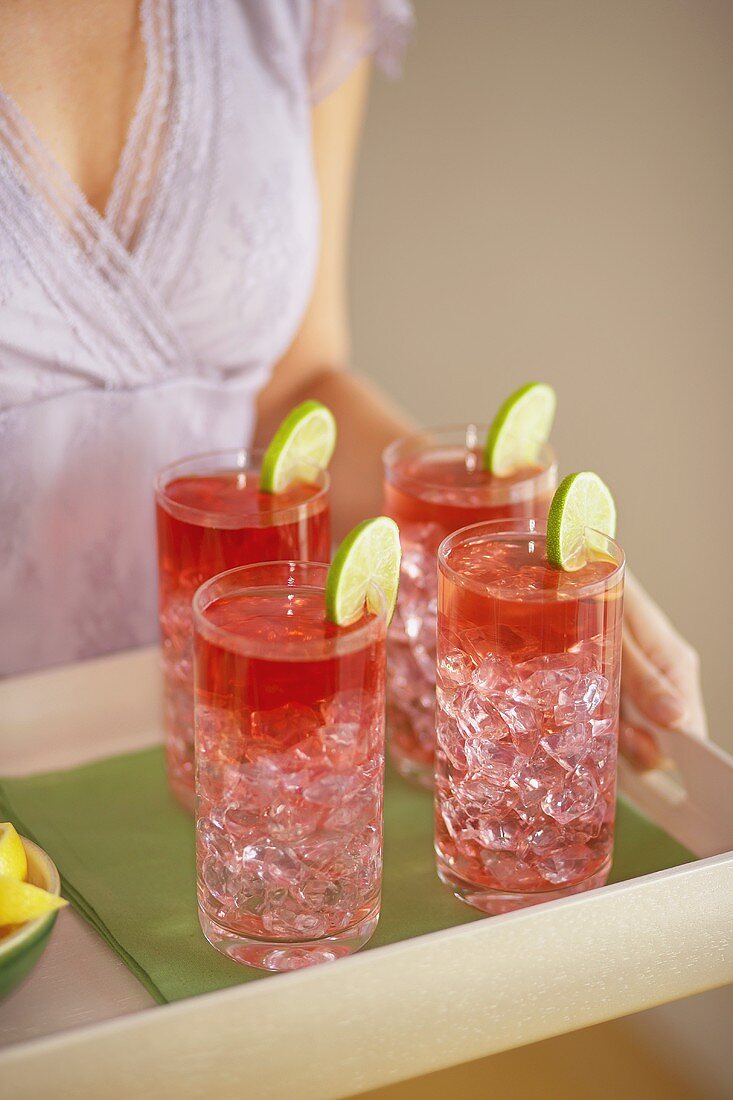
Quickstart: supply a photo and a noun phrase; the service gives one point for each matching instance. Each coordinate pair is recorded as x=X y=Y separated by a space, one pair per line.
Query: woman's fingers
x=639 y=747
x=661 y=671
x=653 y=694
x=660 y=678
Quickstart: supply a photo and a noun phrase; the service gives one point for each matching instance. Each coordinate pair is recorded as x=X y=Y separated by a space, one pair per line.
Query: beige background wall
x=548 y=194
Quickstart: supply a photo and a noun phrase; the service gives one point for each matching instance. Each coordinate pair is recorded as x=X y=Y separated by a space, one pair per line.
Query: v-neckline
x=113 y=278
x=122 y=210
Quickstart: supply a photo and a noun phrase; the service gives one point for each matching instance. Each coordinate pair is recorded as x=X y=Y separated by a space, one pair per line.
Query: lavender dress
x=131 y=340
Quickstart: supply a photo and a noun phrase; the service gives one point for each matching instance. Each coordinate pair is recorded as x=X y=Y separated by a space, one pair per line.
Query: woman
x=175 y=183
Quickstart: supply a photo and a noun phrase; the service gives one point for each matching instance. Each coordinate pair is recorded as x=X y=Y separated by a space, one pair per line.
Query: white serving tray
x=83 y=1026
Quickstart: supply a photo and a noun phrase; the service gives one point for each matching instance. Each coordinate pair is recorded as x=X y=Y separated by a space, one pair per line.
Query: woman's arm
x=314 y=366
x=660 y=674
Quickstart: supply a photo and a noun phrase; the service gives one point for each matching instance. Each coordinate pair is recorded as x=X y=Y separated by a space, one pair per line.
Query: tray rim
x=75 y=1047
x=700 y=760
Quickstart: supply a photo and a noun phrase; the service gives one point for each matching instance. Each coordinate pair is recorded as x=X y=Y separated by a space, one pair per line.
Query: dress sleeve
x=343 y=32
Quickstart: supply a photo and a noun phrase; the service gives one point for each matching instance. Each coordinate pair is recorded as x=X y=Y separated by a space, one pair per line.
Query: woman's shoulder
x=325 y=39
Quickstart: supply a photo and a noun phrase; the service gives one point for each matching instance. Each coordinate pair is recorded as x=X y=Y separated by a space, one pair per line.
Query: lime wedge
x=13 y=861
x=581 y=506
x=301 y=446
x=520 y=429
x=366 y=564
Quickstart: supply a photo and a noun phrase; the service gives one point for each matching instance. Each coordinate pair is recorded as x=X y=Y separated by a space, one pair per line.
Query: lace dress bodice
x=130 y=340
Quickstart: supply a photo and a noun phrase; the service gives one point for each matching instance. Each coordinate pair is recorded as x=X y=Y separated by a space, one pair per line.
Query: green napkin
x=125 y=851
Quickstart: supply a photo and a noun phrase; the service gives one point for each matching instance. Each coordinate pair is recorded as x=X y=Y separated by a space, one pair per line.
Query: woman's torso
x=129 y=340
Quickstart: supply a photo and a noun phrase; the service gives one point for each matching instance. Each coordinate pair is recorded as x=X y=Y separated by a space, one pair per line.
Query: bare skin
x=76 y=71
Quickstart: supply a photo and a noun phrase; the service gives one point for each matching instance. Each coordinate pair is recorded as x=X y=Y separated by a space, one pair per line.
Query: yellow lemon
x=13 y=861
x=21 y=901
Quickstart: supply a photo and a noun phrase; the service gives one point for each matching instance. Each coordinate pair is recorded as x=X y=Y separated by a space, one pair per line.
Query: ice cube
x=531 y=782
x=513 y=642
x=420 y=542
x=451 y=740
x=574 y=800
x=321 y=850
x=547 y=685
x=569 y=746
x=590 y=652
x=494 y=675
x=477 y=716
x=313 y=925
x=569 y=865
x=279 y=916
x=290 y=821
x=212 y=839
x=522 y=718
x=509 y=872
x=248 y=904
x=331 y=789
x=477 y=643
x=582 y=699
x=275 y=864
x=218 y=734
x=215 y=876
x=479 y=796
x=544 y=840
x=592 y=822
x=502 y=834
x=341 y=743
x=401 y=668
x=564 y=668
x=362 y=808
x=318 y=893
x=454 y=816
x=284 y=726
x=603 y=751
x=348 y=707
x=494 y=762
x=242 y=823
x=455 y=668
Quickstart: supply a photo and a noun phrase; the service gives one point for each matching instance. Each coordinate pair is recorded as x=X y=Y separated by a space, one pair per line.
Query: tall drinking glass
x=529 y=663
x=211 y=516
x=434 y=484
x=289 y=768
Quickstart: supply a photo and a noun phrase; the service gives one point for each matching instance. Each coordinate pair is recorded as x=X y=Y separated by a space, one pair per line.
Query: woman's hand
x=660 y=679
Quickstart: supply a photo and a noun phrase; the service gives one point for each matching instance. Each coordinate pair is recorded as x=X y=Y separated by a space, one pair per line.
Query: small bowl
x=21 y=950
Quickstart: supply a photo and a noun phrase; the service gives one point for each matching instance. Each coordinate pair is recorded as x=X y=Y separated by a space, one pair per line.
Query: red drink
x=211 y=517
x=529 y=662
x=435 y=484
x=289 y=768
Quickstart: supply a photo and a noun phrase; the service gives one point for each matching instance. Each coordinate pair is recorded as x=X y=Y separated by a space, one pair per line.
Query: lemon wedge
x=21 y=901
x=13 y=862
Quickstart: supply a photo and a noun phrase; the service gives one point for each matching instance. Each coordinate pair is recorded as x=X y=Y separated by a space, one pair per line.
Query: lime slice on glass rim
x=581 y=507
x=365 y=567
x=520 y=429
x=302 y=445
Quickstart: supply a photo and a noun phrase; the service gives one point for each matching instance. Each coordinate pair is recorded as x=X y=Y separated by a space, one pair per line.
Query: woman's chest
x=245 y=284
x=77 y=73
x=204 y=262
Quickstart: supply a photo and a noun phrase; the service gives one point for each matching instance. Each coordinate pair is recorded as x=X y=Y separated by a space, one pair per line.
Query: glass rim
x=348 y=639
x=245 y=459
x=499 y=487
x=499 y=529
